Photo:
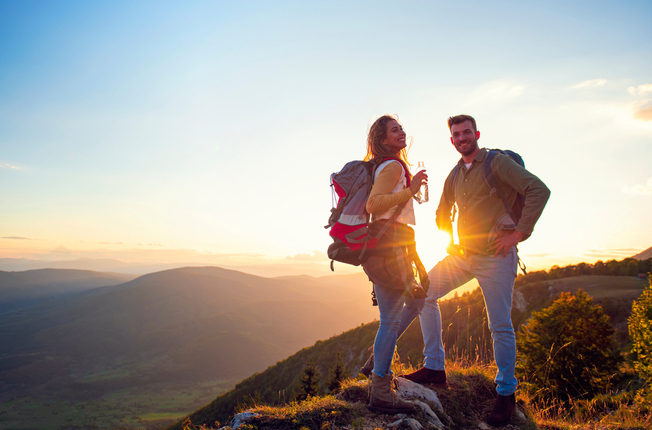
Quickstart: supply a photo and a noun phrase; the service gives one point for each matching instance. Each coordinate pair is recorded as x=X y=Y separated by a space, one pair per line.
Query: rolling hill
x=23 y=289
x=190 y=324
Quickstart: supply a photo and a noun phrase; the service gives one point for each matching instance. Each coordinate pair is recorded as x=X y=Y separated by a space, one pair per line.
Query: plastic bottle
x=422 y=194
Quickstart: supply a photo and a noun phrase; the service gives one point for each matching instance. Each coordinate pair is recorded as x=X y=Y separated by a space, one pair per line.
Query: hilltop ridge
x=643 y=255
x=466 y=333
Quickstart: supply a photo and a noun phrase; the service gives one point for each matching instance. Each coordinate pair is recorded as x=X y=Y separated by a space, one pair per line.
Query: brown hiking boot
x=426 y=376
x=368 y=366
x=383 y=397
x=503 y=411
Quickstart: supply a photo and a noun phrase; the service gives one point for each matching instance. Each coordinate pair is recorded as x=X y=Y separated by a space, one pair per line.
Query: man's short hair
x=458 y=119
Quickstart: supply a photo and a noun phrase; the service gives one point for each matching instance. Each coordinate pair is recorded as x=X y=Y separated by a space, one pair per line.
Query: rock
x=432 y=418
x=242 y=418
x=518 y=301
x=411 y=390
x=414 y=424
x=483 y=426
x=519 y=414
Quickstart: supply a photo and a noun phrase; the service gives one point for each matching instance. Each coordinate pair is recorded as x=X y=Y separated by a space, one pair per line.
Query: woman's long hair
x=378 y=133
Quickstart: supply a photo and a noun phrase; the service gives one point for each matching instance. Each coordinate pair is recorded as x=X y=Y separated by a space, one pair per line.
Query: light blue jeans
x=396 y=314
x=496 y=278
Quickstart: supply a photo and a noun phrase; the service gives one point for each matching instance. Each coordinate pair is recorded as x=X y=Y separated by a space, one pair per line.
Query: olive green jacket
x=479 y=211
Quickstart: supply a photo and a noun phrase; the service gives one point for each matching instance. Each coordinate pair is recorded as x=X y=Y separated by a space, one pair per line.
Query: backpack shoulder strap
x=399 y=208
x=401 y=162
x=492 y=182
x=451 y=191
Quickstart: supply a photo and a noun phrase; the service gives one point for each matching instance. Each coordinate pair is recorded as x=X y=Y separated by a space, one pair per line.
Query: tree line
x=626 y=267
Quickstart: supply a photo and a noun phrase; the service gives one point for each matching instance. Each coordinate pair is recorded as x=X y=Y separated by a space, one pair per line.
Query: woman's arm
x=381 y=198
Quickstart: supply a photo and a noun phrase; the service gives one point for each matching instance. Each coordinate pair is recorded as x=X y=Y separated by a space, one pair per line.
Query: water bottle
x=422 y=194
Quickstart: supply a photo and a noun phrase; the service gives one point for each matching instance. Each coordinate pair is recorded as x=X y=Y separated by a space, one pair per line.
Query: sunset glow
x=136 y=132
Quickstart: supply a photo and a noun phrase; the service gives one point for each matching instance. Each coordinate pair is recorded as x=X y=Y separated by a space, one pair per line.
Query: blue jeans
x=396 y=314
x=496 y=278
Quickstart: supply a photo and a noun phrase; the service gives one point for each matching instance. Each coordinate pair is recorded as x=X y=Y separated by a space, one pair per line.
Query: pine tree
x=309 y=381
x=336 y=374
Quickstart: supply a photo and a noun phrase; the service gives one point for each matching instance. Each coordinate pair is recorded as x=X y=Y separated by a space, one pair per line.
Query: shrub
x=566 y=350
x=640 y=332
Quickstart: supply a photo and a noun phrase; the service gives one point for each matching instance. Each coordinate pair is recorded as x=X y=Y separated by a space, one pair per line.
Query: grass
x=601 y=287
x=467 y=400
x=609 y=411
x=313 y=413
x=469 y=395
x=319 y=412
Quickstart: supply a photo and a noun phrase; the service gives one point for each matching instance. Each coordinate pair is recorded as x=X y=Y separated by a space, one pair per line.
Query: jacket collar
x=479 y=157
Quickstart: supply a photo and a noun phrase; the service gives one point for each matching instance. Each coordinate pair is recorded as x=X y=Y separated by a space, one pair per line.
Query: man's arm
x=446 y=202
x=536 y=196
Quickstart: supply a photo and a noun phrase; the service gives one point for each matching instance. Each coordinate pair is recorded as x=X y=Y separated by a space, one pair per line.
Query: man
x=487 y=252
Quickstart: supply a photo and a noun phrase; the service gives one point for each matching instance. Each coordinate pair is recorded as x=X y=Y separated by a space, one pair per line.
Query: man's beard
x=473 y=145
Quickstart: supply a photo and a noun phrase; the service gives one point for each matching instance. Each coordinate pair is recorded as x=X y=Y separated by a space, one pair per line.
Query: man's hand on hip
x=503 y=243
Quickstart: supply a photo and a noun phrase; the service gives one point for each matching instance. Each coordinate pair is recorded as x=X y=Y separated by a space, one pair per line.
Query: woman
x=393 y=188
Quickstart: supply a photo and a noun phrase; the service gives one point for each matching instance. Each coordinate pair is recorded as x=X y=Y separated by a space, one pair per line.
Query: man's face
x=464 y=137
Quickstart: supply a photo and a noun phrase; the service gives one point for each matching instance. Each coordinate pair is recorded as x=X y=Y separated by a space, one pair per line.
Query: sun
x=431 y=246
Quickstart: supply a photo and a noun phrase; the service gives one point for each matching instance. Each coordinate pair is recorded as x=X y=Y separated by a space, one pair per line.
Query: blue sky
x=206 y=130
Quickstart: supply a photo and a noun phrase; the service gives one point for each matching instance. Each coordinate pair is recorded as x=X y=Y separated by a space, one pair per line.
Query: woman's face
x=395 y=139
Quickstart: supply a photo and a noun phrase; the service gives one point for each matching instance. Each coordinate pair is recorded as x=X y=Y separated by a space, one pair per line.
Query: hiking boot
x=503 y=411
x=383 y=397
x=426 y=376
x=368 y=366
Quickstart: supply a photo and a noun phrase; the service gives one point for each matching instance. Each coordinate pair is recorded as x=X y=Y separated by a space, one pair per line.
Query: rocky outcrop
x=425 y=400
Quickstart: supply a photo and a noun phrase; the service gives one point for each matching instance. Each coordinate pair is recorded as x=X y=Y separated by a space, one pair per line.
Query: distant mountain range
x=644 y=255
x=117 y=266
x=188 y=324
x=291 y=268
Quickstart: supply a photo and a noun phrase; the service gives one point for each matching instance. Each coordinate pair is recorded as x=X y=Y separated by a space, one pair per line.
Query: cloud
x=540 y=255
x=612 y=253
x=111 y=243
x=642 y=109
x=16 y=238
x=9 y=166
x=638 y=189
x=61 y=250
x=504 y=90
x=593 y=83
x=644 y=113
x=316 y=256
x=641 y=90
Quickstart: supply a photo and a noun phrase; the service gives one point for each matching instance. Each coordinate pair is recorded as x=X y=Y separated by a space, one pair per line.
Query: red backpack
x=349 y=220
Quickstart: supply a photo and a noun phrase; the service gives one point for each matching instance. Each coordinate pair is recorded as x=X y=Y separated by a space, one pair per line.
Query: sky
x=206 y=131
